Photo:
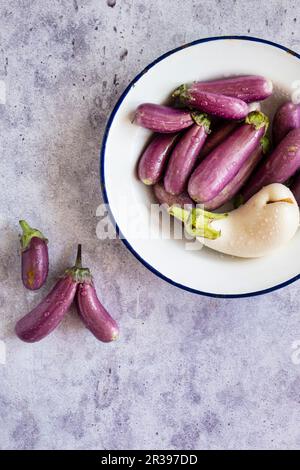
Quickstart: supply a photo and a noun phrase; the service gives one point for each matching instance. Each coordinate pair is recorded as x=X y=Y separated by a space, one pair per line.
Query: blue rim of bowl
x=102 y=166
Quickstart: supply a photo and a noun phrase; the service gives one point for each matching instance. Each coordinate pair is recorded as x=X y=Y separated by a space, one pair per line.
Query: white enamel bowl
x=202 y=271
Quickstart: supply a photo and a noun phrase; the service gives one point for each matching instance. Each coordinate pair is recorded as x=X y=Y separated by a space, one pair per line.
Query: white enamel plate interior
x=202 y=271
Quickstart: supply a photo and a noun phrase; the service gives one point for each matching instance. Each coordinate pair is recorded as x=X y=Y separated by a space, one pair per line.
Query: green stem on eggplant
x=78 y=262
x=197 y=221
x=258 y=120
x=78 y=273
x=202 y=119
x=265 y=143
x=29 y=233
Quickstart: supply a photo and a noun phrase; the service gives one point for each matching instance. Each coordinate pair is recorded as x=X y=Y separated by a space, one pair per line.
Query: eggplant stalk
x=197 y=221
x=78 y=273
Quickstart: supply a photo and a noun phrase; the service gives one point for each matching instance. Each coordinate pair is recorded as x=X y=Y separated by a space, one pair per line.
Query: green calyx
x=181 y=95
x=258 y=120
x=179 y=92
x=28 y=234
x=265 y=143
x=78 y=273
x=202 y=119
x=197 y=221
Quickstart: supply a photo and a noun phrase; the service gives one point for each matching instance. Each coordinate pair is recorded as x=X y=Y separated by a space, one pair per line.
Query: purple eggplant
x=217 y=136
x=224 y=162
x=222 y=106
x=233 y=187
x=93 y=314
x=44 y=318
x=283 y=162
x=247 y=88
x=163 y=197
x=287 y=117
x=166 y=198
x=152 y=162
x=295 y=188
x=184 y=156
x=35 y=260
x=163 y=119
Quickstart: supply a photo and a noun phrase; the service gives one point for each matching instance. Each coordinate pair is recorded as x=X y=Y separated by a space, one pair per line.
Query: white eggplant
x=263 y=224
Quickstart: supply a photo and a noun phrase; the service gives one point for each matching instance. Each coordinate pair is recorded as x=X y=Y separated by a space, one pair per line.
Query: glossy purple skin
x=233 y=187
x=183 y=158
x=217 y=136
x=166 y=198
x=283 y=162
x=295 y=188
x=223 y=163
x=162 y=119
x=152 y=162
x=44 y=318
x=287 y=117
x=35 y=264
x=222 y=106
x=94 y=315
x=248 y=88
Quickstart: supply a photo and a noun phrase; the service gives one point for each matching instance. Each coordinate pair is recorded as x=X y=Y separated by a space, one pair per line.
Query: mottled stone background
x=189 y=372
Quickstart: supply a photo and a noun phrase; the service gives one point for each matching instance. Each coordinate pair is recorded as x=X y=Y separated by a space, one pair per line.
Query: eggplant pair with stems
x=48 y=314
x=262 y=225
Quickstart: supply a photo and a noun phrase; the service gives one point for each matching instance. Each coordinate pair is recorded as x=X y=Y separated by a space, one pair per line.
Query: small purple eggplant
x=169 y=199
x=223 y=163
x=93 y=314
x=233 y=187
x=185 y=154
x=152 y=162
x=248 y=88
x=44 y=318
x=35 y=260
x=287 y=117
x=162 y=119
x=295 y=188
x=225 y=107
x=217 y=136
x=283 y=162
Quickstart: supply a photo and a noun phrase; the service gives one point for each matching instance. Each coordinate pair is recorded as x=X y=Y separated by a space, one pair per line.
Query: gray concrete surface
x=189 y=372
